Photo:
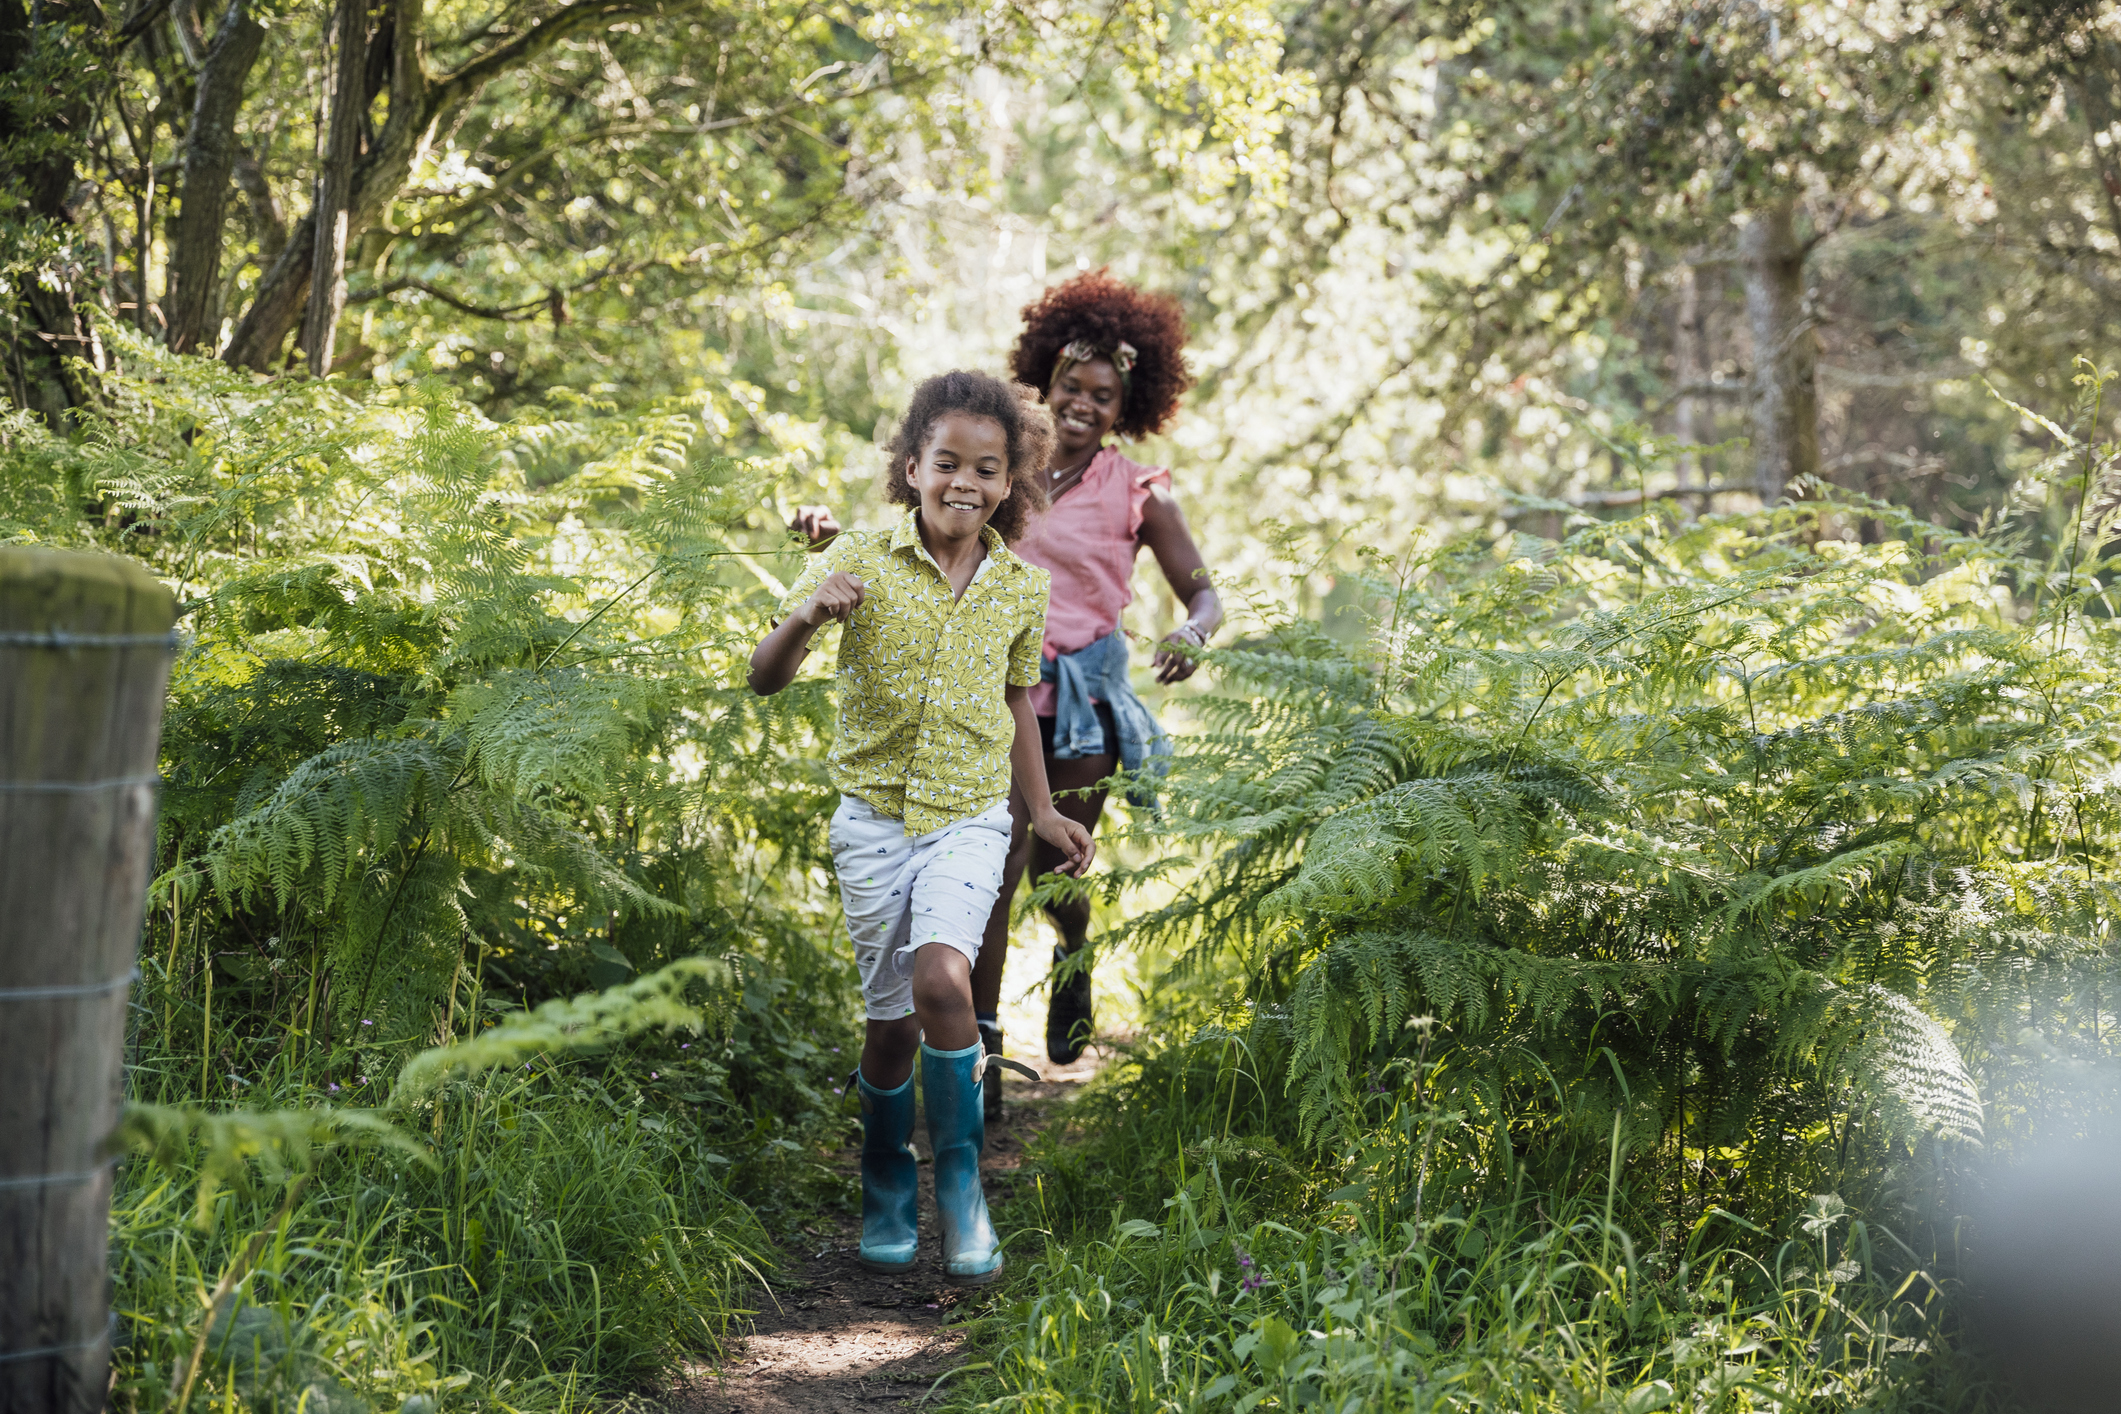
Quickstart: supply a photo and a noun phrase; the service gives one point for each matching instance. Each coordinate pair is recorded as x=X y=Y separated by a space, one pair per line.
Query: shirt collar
x=906 y=535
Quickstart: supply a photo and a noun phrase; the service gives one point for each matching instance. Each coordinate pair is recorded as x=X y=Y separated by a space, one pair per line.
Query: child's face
x=962 y=474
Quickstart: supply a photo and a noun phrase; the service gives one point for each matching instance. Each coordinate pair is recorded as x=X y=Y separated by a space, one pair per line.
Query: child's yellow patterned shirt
x=924 y=729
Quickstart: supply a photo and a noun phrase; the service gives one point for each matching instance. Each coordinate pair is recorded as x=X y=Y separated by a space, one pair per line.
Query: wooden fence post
x=85 y=644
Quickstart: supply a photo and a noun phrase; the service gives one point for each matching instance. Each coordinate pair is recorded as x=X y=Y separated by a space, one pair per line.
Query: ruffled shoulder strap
x=1139 y=481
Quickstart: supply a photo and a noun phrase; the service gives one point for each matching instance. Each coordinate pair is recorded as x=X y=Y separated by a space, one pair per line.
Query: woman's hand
x=814 y=523
x=1177 y=667
x=839 y=596
x=1069 y=838
x=1164 y=532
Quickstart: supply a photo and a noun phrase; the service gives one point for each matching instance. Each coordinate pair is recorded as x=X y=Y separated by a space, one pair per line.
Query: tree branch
x=465 y=82
x=137 y=25
x=523 y=166
x=513 y=313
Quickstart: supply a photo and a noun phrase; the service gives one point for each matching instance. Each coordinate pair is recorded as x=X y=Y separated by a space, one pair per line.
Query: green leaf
x=1645 y=1399
x=1278 y=1344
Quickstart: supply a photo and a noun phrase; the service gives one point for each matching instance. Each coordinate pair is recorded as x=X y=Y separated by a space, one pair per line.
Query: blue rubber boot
x=957 y=1130
x=891 y=1190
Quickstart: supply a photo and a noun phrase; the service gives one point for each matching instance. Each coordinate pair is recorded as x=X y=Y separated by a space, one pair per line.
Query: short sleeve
x=1146 y=480
x=815 y=568
x=1026 y=650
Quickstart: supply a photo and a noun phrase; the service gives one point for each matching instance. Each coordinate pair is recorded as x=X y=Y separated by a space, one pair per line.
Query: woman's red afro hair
x=1105 y=311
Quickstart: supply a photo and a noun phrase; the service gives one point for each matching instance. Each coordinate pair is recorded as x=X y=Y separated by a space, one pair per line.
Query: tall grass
x=558 y=1234
x=561 y=1243
x=1189 y=1253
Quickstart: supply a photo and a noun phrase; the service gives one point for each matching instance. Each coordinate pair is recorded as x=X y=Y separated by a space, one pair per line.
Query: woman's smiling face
x=1085 y=401
x=962 y=474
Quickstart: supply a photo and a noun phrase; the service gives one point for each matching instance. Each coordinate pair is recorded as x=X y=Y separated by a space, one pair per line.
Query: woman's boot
x=1069 y=1022
x=891 y=1190
x=990 y=1035
x=957 y=1131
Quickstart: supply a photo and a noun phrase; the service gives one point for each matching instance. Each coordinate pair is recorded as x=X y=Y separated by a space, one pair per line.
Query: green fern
x=654 y=1002
x=1726 y=830
x=460 y=700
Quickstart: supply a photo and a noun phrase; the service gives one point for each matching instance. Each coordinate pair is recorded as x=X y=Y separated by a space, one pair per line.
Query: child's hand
x=1070 y=839
x=839 y=596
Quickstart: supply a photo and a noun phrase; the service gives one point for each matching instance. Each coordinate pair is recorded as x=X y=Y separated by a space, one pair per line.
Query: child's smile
x=962 y=474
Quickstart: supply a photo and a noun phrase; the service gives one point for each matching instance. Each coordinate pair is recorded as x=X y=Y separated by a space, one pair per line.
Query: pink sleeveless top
x=1087 y=540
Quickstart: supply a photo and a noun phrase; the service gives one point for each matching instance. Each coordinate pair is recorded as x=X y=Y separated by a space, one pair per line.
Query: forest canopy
x=1427 y=252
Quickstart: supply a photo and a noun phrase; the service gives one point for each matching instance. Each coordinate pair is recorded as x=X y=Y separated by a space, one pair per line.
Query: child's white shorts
x=902 y=894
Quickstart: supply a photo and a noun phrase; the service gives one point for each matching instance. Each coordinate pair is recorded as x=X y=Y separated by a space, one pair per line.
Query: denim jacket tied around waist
x=1100 y=671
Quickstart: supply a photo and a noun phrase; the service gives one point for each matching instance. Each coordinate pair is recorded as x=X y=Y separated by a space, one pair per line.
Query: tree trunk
x=268 y=223
x=1785 y=355
x=49 y=326
x=414 y=110
x=1687 y=370
x=2095 y=91
x=417 y=104
x=84 y=661
x=283 y=291
x=209 y=160
x=341 y=149
x=279 y=301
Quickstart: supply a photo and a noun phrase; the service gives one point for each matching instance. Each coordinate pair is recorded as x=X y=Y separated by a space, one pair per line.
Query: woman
x=1112 y=361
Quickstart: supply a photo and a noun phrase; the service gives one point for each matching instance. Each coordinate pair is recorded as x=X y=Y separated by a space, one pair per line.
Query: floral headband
x=1078 y=351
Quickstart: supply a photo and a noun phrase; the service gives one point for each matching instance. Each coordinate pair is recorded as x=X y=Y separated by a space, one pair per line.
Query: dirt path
x=831 y=1337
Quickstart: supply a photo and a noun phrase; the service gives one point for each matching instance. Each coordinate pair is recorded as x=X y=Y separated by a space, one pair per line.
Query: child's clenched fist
x=836 y=598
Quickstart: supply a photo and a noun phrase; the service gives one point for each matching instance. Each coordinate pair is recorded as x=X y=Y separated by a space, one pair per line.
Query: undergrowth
x=1600 y=980
x=1592 y=979
x=456 y=757
x=559 y=1243
x=571 y=1205
x=1184 y=1248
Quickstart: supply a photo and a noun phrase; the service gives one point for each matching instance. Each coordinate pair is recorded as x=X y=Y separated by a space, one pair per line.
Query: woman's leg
x=994 y=953
x=1084 y=803
x=1069 y=1021
x=994 y=941
x=1070 y=916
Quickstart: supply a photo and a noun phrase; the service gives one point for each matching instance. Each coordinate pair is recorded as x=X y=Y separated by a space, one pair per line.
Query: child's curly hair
x=1024 y=421
x=1105 y=312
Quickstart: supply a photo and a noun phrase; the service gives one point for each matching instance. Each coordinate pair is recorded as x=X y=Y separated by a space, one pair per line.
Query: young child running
x=943 y=626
